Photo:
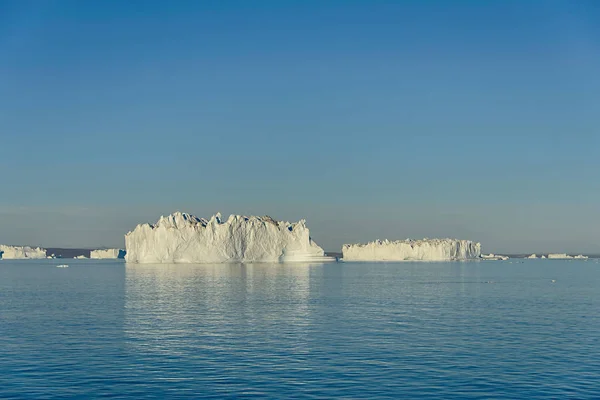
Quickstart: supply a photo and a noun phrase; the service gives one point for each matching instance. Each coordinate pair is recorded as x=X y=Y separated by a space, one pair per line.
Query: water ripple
x=362 y=330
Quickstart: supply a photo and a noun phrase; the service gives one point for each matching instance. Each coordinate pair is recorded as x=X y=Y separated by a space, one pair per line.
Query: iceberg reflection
x=177 y=309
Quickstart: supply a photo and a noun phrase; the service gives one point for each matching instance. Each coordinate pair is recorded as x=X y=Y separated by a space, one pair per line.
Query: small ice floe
x=553 y=280
x=492 y=256
x=489 y=282
x=62 y=266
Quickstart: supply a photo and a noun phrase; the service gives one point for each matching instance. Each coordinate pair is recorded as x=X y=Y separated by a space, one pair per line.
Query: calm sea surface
x=353 y=330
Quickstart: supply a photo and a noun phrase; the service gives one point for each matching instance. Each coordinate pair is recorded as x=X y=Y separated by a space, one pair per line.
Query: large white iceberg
x=184 y=238
x=412 y=250
x=107 y=253
x=21 y=252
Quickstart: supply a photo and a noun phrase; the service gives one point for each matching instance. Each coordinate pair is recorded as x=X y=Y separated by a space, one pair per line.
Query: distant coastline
x=60 y=252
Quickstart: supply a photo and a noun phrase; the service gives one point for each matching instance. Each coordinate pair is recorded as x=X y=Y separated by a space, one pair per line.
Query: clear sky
x=371 y=119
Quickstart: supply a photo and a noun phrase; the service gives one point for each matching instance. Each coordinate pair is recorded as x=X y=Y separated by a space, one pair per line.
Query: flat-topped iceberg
x=107 y=254
x=21 y=252
x=412 y=250
x=564 y=256
x=184 y=238
x=559 y=256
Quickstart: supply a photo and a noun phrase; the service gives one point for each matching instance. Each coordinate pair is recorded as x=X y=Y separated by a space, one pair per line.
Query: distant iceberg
x=559 y=256
x=21 y=252
x=532 y=256
x=412 y=250
x=564 y=256
x=184 y=238
x=107 y=254
x=492 y=256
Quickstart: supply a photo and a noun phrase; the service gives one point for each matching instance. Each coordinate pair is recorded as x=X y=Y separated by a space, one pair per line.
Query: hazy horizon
x=371 y=120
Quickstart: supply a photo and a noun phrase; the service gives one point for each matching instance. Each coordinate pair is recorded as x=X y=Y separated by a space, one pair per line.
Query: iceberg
x=532 y=256
x=492 y=256
x=559 y=256
x=107 y=254
x=21 y=252
x=412 y=250
x=564 y=256
x=185 y=238
x=80 y=257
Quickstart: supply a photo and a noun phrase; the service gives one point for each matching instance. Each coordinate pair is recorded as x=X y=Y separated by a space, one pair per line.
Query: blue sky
x=371 y=119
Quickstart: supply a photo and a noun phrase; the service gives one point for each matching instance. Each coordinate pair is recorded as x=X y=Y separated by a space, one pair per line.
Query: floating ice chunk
x=185 y=238
x=532 y=256
x=408 y=250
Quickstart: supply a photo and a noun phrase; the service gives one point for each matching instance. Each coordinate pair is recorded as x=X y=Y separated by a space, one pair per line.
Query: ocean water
x=469 y=330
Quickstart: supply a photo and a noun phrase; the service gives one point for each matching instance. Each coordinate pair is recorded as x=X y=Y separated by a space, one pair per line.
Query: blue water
x=351 y=330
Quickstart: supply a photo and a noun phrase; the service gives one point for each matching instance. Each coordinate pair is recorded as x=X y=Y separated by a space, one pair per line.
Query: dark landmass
x=72 y=253
x=67 y=253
